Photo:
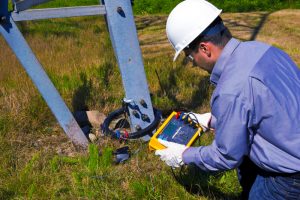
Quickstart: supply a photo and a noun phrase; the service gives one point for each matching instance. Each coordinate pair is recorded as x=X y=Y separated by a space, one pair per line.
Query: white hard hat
x=187 y=20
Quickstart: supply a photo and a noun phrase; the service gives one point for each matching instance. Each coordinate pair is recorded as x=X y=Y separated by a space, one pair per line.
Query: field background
x=36 y=159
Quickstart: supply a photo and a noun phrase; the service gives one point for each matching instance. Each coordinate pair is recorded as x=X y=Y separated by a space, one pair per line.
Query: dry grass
x=280 y=28
x=36 y=158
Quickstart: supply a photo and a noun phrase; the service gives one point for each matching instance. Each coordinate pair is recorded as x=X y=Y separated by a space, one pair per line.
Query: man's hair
x=219 y=39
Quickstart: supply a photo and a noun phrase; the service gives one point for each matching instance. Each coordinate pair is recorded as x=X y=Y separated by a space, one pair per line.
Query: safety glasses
x=190 y=58
x=188 y=54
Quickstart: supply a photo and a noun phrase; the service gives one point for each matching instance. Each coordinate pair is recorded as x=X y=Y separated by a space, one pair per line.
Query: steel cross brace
x=123 y=34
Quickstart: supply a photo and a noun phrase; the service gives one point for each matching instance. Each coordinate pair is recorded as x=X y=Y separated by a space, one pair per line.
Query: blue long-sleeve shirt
x=256 y=110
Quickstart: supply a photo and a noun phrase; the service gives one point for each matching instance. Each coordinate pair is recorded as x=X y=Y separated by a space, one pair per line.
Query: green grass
x=66 y=3
x=38 y=161
x=165 y=6
x=94 y=176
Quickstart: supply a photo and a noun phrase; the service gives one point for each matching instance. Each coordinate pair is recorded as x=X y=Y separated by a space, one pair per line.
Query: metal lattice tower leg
x=124 y=39
x=18 y=44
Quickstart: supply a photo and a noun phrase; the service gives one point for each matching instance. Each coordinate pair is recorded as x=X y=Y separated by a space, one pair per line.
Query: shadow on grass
x=260 y=25
x=169 y=89
x=65 y=28
x=201 y=94
x=86 y=90
x=146 y=22
x=6 y=194
x=200 y=183
x=82 y=94
x=254 y=29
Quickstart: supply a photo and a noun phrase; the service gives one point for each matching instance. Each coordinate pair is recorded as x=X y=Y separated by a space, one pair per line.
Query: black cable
x=176 y=177
x=133 y=135
x=196 y=120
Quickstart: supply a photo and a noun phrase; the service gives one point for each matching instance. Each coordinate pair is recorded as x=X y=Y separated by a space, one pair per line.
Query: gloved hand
x=172 y=154
x=203 y=119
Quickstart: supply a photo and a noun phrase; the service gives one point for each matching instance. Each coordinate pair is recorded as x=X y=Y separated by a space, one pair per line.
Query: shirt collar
x=220 y=64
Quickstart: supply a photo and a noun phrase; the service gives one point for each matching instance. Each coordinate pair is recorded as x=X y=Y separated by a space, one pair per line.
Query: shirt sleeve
x=231 y=136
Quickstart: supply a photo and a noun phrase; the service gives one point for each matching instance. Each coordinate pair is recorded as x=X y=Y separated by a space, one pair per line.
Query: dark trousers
x=247 y=173
x=258 y=184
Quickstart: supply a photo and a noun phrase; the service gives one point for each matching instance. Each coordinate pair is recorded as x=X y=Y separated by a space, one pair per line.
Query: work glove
x=172 y=154
x=202 y=119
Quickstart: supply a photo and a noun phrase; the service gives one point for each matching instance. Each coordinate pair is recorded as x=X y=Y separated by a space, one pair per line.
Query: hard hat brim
x=176 y=55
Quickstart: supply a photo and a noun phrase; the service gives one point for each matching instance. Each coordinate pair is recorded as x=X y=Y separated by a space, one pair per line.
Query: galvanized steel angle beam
x=18 y=44
x=125 y=43
x=36 y=14
x=16 y=41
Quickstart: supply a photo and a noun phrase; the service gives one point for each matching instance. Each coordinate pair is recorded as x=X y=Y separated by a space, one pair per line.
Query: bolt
x=138 y=127
x=2 y=18
x=119 y=9
x=143 y=103
x=135 y=113
x=145 y=118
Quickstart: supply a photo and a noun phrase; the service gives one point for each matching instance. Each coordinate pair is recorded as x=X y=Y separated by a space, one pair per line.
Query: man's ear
x=205 y=48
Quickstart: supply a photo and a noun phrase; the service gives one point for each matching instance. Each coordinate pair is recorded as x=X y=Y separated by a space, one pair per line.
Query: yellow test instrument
x=179 y=127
